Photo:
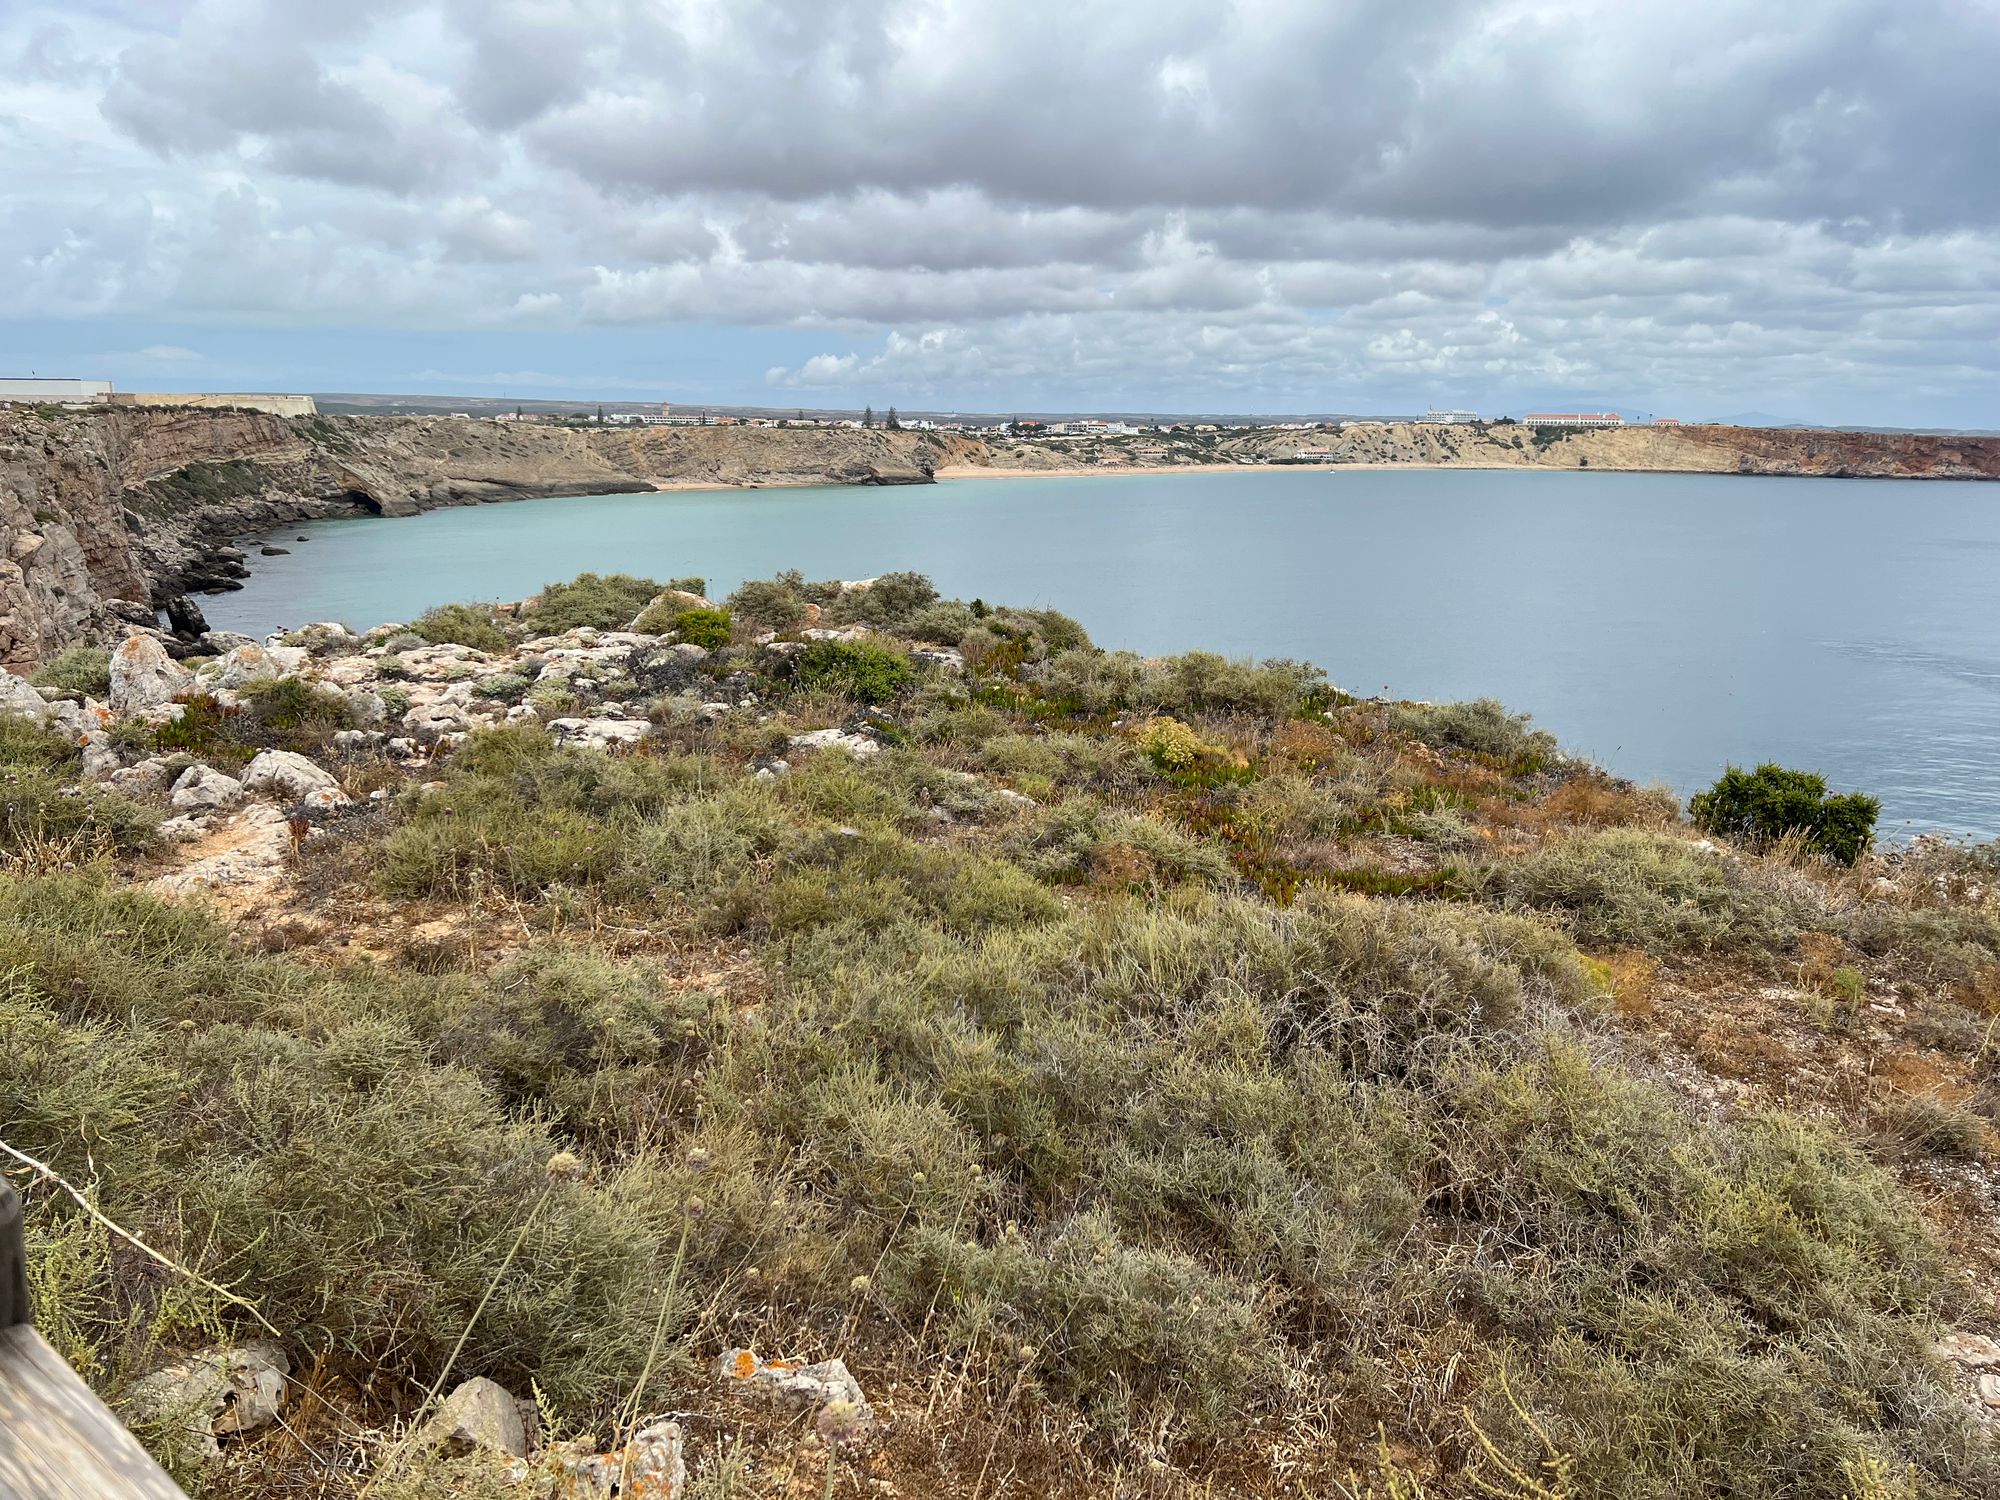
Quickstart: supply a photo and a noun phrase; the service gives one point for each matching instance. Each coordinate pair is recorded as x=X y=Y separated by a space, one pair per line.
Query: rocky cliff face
x=109 y=517
x=1693 y=450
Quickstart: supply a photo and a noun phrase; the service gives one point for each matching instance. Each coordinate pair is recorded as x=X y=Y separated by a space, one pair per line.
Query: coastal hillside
x=115 y=517
x=840 y=1041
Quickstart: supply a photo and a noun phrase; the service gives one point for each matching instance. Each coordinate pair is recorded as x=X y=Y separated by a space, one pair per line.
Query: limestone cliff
x=108 y=517
x=1694 y=449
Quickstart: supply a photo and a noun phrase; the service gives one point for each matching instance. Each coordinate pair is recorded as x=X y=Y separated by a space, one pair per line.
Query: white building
x=1573 y=419
x=1452 y=418
x=33 y=389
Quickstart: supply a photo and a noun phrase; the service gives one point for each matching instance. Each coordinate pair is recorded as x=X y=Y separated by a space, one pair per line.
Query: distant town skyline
x=1722 y=208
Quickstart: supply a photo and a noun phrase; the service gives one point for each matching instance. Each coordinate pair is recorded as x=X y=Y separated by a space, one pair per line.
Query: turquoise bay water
x=1661 y=624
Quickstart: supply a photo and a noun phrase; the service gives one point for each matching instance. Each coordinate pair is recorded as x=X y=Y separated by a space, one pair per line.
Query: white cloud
x=1346 y=206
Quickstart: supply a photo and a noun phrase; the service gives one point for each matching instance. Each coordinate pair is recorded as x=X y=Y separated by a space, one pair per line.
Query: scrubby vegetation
x=1151 y=1077
x=460 y=625
x=80 y=669
x=602 y=602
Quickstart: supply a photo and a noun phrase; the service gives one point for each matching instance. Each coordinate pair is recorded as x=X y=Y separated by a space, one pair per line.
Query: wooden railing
x=57 y=1440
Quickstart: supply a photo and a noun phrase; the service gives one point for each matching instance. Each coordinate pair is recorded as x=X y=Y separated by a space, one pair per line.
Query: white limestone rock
x=860 y=746
x=291 y=776
x=202 y=789
x=216 y=1393
x=143 y=676
x=479 y=1415
x=18 y=698
x=600 y=734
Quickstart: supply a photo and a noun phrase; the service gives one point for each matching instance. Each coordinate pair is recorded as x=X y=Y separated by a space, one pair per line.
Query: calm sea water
x=1663 y=625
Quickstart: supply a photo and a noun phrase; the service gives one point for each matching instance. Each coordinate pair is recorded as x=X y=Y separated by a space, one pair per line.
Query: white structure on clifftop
x=31 y=389
x=1573 y=419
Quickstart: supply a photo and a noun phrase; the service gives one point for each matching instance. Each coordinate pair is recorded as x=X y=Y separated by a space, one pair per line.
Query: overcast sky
x=1695 y=208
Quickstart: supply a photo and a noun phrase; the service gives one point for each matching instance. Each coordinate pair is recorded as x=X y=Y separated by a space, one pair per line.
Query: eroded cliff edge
x=110 y=519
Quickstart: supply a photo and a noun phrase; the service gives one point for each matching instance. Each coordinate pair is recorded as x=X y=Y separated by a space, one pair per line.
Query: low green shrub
x=274 y=705
x=1201 y=681
x=889 y=602
x=1080 y=840
x=1483 y=727
x=873 y=878
x=769 y=604
x=597 y=601
x=507 y=687
x=709 y=629
x=461 y=625
x=1628 y=888
x=864 y=670
x=1763 y=806
x=79 y=669
x=360 y=1187
x=42 y=801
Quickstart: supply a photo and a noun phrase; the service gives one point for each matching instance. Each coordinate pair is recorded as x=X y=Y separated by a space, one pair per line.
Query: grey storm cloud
x=1264 y=196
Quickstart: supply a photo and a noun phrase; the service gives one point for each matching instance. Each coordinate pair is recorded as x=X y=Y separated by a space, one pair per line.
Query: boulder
x=293 y=777
x=652 y=1466
x=431 y=722
x=18 y=698
x=860 y=746
x=201 y=789
x=289 y=660
x=222 y=642
x=827 y=1388
x=185 y=618
x=241 y=664
x=217 y=1392
x=149 y=775
x=601 y=734
x=76 y=720
x=324 y=638
x=479 y=1415
x=143 y=676
x=100 y=757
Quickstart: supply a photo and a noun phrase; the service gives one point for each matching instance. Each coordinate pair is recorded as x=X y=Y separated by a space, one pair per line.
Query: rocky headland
x=121 y=517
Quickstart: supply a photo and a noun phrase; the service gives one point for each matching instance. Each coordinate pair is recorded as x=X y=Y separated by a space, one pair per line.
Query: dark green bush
x=1762 y=806
x=860 y=669
x=706 y=628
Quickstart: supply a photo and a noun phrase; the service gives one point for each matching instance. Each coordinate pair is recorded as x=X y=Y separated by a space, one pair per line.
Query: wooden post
x=57 y=1440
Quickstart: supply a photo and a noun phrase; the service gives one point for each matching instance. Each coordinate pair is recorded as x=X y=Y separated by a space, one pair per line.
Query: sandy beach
x=1074 y=471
